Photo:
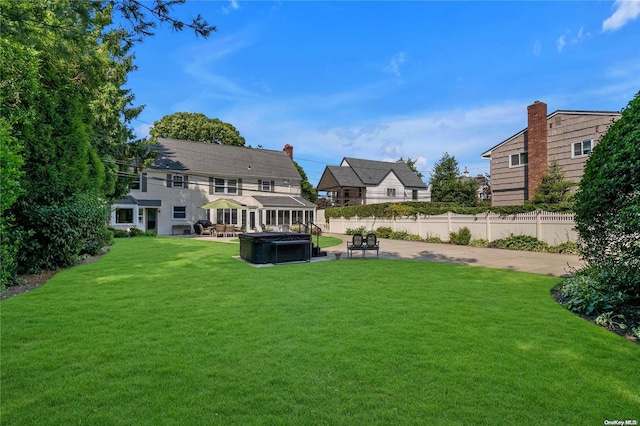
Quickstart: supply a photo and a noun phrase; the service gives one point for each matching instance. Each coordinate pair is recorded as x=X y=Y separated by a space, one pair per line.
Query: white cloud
x=233 y=5
x=426 y=135
x=394 y=65
x=537 y=48
x=626 y=11
x=569 y=39
x=369 y=131
x=199 y=64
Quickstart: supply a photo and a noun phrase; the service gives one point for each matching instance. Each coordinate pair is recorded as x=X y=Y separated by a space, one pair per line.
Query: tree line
x=67 y=141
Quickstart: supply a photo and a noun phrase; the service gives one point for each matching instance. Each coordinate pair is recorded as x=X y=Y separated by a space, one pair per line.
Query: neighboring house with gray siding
x=518 y=163
x=356 y=181
x=186 y=175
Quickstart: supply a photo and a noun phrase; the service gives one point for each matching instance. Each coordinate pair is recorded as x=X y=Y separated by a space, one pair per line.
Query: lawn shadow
x=429 y=256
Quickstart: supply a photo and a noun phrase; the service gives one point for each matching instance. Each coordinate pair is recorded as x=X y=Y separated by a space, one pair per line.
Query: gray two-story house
x=169 y=194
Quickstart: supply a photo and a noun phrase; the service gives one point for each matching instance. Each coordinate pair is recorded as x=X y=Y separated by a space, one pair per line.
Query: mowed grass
x=177 y=331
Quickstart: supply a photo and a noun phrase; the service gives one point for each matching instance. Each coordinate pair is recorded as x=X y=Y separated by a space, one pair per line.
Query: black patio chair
x=357 y=243
x=372 y=243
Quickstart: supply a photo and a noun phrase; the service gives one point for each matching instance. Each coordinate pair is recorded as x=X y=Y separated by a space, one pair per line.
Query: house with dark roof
x=356 y=181
x=519 y=162
x=169 y=194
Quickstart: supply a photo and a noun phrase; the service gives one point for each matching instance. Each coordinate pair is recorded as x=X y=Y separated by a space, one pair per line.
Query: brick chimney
x=289 y=150
x=537 y=146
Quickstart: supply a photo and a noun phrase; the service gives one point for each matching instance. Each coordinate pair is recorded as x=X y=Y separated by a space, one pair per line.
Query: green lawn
x=176 y=331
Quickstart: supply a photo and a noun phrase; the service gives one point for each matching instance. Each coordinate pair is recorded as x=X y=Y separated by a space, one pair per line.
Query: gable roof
x=373 y=172
x=224 y=160
x=487 y=153
x=361 y=173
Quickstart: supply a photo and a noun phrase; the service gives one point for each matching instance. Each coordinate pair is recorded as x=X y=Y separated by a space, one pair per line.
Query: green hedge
x=57 y=234
x=413 y=208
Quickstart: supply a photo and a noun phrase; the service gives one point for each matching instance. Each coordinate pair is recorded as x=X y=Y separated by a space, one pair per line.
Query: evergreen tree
x=448 y=187
x=553 y=188
x=411 y=163
x=64 y=64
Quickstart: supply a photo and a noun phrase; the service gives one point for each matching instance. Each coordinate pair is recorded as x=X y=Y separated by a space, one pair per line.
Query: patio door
x=252 y=221
x=152 y=219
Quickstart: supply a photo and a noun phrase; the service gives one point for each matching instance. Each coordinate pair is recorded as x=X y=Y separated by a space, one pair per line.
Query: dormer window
x=582 y=149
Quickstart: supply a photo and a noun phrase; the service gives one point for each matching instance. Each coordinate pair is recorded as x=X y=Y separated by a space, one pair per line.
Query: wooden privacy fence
x=552 y=228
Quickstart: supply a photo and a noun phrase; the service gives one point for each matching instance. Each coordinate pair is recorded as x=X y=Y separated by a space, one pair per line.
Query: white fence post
x=488 y=225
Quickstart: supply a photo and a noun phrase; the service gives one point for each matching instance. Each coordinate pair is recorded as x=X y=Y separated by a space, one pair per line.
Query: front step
x=316 y=252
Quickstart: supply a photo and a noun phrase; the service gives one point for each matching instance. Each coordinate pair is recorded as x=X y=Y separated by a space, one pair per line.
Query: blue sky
x=381 y=80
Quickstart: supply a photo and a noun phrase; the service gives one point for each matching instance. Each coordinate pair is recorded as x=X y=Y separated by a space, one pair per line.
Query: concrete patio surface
x=559 y=265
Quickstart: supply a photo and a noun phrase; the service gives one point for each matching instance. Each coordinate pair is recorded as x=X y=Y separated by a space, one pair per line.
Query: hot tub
x=275 y=247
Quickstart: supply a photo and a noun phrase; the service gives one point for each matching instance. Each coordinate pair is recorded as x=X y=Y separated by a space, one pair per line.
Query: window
x=226 y=186
x=232 y=186
x=179 y=212
x=270 y=217
x=178 y=181
x=227 y=216
x=266 y=186
x=124 y=215
x=580 y=149
x=414 y=195
x=219 y=186
x=135 y=184
x=517 y=160
x=391 y=192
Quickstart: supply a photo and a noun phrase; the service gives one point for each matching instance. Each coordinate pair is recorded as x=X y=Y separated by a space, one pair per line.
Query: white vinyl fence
x=552 y=228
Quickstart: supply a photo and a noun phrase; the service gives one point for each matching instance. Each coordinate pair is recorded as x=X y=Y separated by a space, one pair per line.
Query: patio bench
x=359 y=243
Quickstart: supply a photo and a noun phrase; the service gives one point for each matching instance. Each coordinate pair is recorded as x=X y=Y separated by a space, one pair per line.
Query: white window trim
x=391 y=192
x=266 y=184
x=573 y=148
x=519 y=154
x=114 y=215
x=173 y=213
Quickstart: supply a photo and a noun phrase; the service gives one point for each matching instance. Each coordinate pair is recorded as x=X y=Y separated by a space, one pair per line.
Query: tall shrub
x=60 y=232
x=10 y=162
x=608 y=204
